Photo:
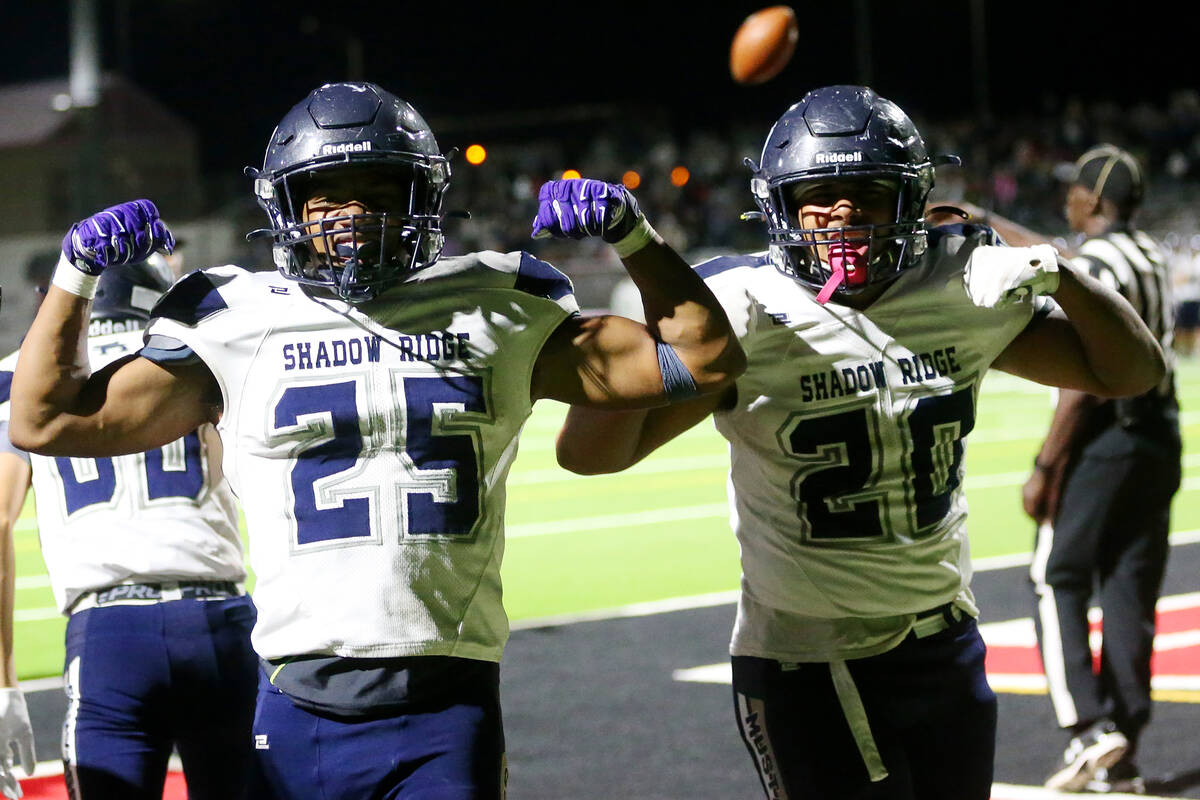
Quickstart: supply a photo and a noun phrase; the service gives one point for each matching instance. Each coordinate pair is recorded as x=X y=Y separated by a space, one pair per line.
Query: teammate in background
x=1186 y=286
x=145 y=558
x=370 y=395
x=858 y=669
x=1101 y=494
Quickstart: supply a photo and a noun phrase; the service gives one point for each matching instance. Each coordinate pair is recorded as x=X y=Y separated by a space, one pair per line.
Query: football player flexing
x=370 y=395
x=858 y=670
x=145 y=558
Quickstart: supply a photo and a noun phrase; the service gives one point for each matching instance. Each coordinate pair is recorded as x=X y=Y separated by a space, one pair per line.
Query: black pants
x=1108 y=540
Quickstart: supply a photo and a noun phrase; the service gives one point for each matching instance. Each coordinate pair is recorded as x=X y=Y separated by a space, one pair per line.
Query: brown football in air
x=763 y=45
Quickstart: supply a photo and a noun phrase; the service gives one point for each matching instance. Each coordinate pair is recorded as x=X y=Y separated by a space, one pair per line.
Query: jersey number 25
x=440 y=492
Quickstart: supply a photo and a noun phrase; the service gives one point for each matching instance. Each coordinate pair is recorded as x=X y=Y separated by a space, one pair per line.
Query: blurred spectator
x=1185 y=265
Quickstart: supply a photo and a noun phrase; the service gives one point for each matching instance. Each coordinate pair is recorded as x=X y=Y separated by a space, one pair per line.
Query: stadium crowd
x=1013 y=165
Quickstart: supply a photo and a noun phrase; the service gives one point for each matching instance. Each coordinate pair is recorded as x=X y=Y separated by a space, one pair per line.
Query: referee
x=1101 y=494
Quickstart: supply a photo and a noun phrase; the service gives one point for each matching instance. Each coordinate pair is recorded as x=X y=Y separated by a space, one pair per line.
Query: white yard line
x=1010 y=791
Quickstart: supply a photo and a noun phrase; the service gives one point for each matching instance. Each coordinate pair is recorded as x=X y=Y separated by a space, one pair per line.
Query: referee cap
x=1111 y=173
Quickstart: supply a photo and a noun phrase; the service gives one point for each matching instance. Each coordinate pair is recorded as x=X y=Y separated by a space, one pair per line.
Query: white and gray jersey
x=847 y=443
x=1132 y=263
x=369 y=445
x=163 y=515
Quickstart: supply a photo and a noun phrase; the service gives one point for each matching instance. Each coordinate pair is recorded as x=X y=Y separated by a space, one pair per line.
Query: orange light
x=631 y=180
x=476 y=154
x=680 y=176
x=568 y=174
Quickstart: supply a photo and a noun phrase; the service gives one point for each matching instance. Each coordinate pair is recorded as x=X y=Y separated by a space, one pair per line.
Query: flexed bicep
x=129 y=406
x=601 y=362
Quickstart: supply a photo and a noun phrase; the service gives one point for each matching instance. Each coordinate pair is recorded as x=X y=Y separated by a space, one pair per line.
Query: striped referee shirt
x=1131 y=263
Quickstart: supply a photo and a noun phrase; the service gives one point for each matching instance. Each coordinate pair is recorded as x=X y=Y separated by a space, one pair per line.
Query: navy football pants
x=925 y=714
x=451 y=752
x=142 y=679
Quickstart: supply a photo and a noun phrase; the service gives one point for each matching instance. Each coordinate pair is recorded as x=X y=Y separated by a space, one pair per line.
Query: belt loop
x=936 y=620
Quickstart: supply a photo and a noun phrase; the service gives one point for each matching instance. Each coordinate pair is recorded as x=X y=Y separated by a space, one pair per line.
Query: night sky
x=234 y=68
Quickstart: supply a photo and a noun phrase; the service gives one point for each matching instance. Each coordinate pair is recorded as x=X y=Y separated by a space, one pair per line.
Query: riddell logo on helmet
x=345 y=147
x=838 y=158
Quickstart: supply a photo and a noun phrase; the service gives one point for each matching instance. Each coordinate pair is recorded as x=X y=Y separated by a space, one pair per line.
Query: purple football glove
x=578 y=207
x=118 y=235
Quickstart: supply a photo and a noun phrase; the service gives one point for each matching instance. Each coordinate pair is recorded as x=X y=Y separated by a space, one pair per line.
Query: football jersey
x=163 y=515
x=847 y=441
x=369 y=445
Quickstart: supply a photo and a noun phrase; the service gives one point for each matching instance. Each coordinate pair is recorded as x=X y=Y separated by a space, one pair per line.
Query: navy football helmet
x=127 y=292
x=338 y=128
x=843 y=133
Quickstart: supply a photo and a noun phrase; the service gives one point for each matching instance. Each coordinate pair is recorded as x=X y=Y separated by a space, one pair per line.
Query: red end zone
x=1013 y=663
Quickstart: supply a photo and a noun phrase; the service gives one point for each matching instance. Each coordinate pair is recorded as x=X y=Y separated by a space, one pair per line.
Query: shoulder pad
x=967 y=230
x=715 y=266
x=541 y=279
x=7 y=366
x=193 y=299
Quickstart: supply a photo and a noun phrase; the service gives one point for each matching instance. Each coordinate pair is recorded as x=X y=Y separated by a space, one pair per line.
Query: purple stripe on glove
x=122 y=234
x=576 y=208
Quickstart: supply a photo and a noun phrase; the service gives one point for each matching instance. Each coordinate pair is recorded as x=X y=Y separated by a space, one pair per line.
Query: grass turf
x=660 y=530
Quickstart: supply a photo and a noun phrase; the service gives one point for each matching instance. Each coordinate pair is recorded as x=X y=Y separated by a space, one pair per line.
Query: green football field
x=660 y=530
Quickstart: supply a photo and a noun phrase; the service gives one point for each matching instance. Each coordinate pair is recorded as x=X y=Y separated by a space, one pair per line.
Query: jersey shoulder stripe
x=967 y=230
x=541 y=279
x=487 y=270
x=715 y=266
x=193 y=299
x=167 y=350
x=8 y=366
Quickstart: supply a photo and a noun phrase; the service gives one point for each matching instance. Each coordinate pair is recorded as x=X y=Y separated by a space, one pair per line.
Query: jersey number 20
x=837 y=488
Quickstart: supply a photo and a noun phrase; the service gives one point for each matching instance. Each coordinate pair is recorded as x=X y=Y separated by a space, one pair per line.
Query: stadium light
x=568 y=174
x=680 y=176
x=631 y=179
x=476 y=154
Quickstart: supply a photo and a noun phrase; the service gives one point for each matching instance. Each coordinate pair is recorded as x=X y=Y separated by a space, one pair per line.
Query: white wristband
x=636 y=239
x=71 y=279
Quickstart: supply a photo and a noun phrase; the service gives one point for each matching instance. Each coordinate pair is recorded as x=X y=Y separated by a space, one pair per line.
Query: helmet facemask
x=847 y=259
x=357 y=255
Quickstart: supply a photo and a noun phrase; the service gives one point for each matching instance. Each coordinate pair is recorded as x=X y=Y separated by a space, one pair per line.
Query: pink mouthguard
x=843 y=262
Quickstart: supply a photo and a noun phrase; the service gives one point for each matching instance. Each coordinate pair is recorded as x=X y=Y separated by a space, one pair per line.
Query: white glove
x=1004 y=275
x=15 y=731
